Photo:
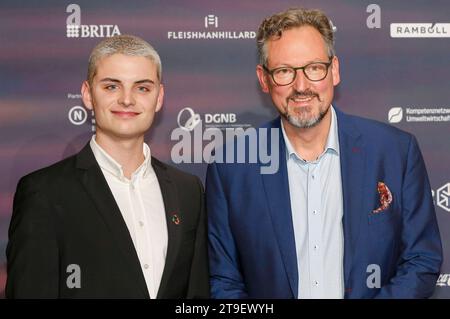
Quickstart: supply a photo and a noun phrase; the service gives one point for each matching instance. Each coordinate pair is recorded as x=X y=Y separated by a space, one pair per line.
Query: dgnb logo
x=219 y=118
x=74 y=279
x=74 y=28
x=191 y=122
x=193 y=119
x=395 y=115
x=211 y=20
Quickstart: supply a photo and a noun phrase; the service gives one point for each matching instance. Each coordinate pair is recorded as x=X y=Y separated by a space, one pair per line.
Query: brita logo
x=74 y=28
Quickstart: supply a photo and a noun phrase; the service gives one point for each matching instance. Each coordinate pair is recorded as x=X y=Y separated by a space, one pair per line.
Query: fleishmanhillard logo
x=77 y=30
x=211 y=20
x=420 y=30
x=211 y=31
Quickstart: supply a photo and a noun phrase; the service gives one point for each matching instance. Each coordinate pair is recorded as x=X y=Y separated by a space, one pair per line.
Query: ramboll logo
x=420 y=30
x=74 y=28
x=395 y=115
x=443 y=197
x=191 y=122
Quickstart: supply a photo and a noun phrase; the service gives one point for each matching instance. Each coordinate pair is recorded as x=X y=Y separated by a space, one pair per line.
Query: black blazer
x=66 y=214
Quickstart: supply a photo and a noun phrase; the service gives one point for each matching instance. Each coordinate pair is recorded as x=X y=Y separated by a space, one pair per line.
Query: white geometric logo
x=443 y=197
x=395 y=115
x=443 y=280
x=211 y=19
x=191 y=122
x=77 y=115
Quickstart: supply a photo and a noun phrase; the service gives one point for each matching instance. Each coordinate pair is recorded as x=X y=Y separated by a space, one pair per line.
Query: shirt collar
x=332 y=139
x=107 y=163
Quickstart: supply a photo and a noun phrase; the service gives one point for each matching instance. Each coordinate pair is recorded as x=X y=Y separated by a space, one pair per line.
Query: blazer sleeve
x=226 y=279
x=32 y=250
x=199 y=275
x=421 y=258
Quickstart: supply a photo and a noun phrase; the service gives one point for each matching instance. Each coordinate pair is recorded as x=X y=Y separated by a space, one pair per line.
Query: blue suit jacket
x=251 y=238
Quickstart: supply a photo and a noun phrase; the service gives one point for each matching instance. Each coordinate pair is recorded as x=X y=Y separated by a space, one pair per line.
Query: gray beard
x=305 y=123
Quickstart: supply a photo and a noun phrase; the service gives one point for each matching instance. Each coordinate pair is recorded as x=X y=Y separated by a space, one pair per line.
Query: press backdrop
x=397 y=74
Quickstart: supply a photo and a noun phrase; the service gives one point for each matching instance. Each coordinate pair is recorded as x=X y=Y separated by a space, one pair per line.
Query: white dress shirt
x=141 y=204
x=315 y=190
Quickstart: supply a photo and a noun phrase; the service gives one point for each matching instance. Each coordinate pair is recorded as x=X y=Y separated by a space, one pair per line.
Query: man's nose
x=126 y=98
x=301 y=82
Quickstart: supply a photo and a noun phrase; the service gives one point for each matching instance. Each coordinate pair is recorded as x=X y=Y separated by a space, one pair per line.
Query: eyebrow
x=118 y=81
x=145 y=81
x=307 y=62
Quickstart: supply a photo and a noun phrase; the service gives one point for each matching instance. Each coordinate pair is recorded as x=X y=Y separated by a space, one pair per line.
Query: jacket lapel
x=174 y=230
x=276 y=188
x=352 y=160
x=95 y=184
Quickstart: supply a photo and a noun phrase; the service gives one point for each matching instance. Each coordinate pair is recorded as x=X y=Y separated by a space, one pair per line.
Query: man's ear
x=262 y=78
x=86 y=95
x=335 y=71
x=160 y=99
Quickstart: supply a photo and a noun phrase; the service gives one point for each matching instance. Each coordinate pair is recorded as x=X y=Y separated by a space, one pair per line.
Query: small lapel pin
x=175 y=219
x=385 y=197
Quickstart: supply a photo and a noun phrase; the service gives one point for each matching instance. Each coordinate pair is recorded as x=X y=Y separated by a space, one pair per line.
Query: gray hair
x=123 y=44
x=273 y=27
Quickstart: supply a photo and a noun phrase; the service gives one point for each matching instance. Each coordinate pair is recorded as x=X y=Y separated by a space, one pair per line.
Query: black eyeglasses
x=285 y=75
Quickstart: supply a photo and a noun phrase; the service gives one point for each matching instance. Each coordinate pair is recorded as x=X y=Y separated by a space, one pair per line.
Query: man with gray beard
x=348 y=214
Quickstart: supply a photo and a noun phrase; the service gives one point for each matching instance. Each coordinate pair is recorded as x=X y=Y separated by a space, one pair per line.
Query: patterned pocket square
x=385 y=197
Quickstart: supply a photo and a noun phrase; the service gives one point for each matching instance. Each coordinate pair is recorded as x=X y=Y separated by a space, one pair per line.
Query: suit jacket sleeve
x=421 y=259
x=32 y=251
x=199 y=276
x=226 y=279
